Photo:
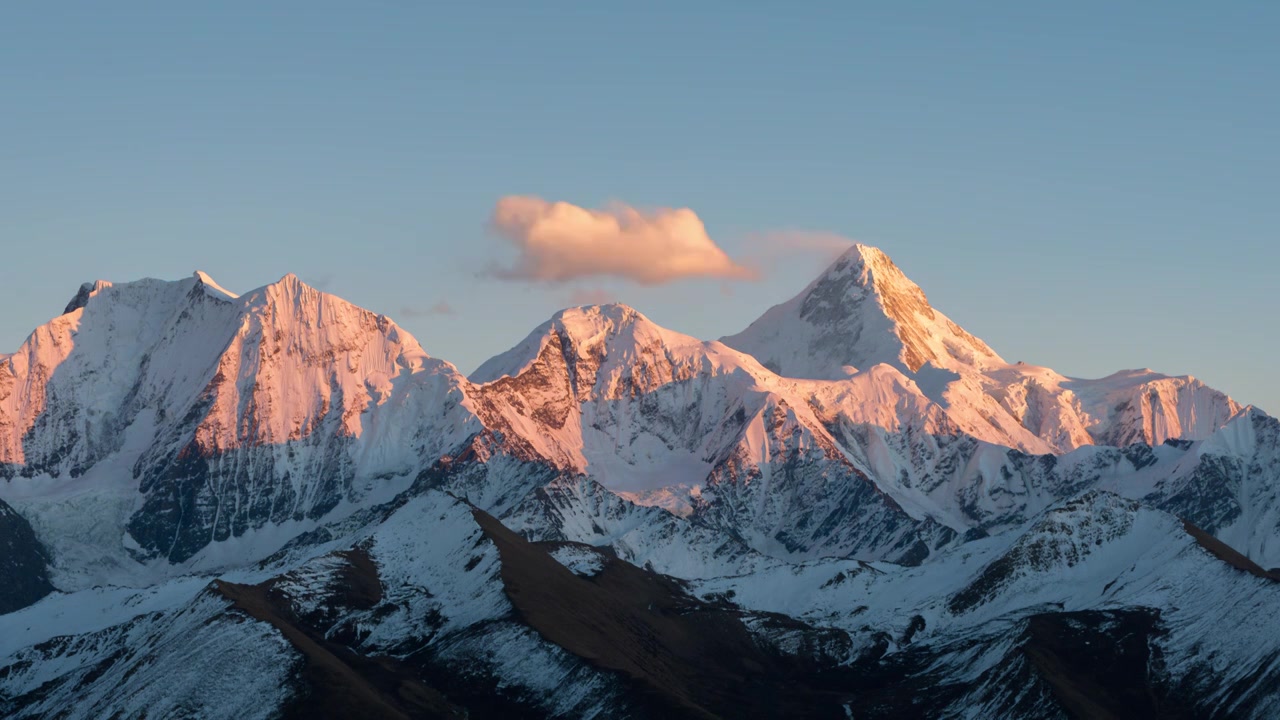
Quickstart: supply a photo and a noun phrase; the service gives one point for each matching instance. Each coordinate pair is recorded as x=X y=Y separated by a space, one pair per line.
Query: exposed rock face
x=23 y=563
x=81 y=298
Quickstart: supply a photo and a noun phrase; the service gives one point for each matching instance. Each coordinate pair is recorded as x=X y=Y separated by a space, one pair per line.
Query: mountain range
x=277 y=504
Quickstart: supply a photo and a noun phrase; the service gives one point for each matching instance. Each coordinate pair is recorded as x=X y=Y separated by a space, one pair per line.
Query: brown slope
x=686 y=658
x=1226 y=553
x=340 y=683
x=1100 y=665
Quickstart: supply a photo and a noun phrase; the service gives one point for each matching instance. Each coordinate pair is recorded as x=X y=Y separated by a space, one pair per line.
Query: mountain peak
x=867 y=254
x=592 y=317
x=291 y=291
x=208 y=283
x=862 y=311
x=290 y=284
x=586 y=329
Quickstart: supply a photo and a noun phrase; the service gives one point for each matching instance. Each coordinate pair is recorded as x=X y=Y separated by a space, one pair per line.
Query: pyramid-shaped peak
x=861 y=311
x=867 y=254
x=869 y=265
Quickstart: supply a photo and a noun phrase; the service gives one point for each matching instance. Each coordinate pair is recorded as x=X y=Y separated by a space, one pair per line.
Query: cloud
x=440 y=308
x=768 y=246
x=591 y=296
x=560 y=242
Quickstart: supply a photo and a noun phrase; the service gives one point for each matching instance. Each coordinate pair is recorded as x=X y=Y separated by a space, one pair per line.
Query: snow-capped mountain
x=863 y=311
x=661 y=418
x=853 y=507
x=180 y=416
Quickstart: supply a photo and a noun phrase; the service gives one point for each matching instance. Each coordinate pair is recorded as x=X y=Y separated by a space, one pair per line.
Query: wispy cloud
x=591 y=296
x=768 y=246
x=560 y=241
x=440 y=308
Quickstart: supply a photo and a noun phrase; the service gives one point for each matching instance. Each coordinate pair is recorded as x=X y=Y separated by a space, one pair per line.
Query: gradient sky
x=1090 y=186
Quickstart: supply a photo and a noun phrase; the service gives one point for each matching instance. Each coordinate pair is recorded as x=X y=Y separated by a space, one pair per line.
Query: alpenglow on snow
x=277 y=503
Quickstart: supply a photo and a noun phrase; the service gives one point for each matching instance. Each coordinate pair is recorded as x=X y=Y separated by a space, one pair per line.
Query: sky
x=1090 y=186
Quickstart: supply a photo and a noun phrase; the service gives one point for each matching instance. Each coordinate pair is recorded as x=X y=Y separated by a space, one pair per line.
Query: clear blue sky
x=1087 y=185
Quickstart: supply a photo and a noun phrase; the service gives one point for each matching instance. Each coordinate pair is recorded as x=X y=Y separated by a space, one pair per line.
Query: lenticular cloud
x=560 y=241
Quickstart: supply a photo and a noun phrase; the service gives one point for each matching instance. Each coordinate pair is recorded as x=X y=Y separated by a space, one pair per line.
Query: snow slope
x=176 y=415
x=863 y=311
x=189 y=476
x=1095 y=553
x=183 y=648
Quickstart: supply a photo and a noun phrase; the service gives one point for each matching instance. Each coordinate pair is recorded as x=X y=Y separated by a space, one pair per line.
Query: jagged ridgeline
x=278 y=503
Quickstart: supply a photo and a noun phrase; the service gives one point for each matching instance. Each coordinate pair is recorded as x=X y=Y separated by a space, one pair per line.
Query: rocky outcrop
x=24 y=563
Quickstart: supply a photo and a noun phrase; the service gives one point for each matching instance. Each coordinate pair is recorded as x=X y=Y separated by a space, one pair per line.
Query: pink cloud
x=560 y=242
x=591 y=296
x=440 y=308
x=780 y=243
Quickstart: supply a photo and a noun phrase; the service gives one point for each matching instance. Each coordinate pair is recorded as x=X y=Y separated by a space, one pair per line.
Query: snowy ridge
x=432 y=592
x=191 y=415
x=854 y=482
x=702 y=430
x=1096 y=553
x=863 y=311
x=300 y=384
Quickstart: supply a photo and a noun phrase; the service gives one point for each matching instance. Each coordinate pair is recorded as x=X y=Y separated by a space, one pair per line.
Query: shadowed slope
x=689 y=659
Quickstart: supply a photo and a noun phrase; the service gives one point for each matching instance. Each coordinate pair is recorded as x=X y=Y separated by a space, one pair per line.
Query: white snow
x=213 y=286
x=691 y=458
x=863 y=311
x=581 y=560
